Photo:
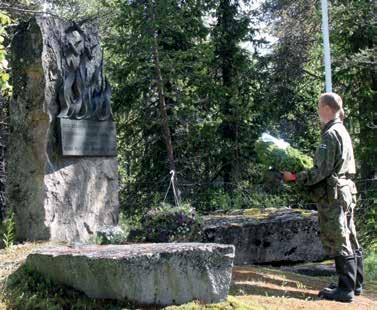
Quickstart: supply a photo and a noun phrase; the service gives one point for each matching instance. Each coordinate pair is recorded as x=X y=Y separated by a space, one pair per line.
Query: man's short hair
x=335 y=102
x=332 y=100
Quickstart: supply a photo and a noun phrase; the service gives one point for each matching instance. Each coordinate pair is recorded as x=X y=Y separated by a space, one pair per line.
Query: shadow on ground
x=270 y=282
x=276 y=289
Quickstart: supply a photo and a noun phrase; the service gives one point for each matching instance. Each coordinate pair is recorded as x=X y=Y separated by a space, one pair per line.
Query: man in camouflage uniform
x=330 y=182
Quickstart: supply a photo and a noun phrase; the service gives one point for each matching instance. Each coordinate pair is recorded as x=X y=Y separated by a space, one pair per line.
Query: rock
x=54 y=196
x=110 y=235
x=268 y=236
x=144 y=274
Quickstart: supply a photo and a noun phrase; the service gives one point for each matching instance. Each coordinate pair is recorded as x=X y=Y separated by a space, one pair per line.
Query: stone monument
x=63 y=179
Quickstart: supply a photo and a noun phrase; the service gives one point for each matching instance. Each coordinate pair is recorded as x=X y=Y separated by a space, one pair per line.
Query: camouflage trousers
x=336 y=222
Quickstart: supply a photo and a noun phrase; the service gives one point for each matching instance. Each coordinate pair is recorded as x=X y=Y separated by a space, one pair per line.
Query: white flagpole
x=326 y=45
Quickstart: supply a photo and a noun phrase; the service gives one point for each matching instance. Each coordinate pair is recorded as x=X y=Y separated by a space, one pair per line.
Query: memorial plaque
x=87 y=137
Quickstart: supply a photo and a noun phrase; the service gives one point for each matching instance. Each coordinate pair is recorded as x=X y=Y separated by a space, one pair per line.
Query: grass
x=28 y=290
x=231 y=303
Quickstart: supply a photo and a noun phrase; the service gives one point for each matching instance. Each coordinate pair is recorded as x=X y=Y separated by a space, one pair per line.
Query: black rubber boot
x=359 y=272
x=346 y=269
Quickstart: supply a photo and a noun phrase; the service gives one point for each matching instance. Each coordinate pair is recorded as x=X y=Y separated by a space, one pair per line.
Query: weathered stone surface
x=55 y=197
x=146 y=274
x=273 y=235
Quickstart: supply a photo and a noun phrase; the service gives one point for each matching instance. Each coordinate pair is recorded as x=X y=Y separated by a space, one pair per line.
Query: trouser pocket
x=345 y=198
x=334 y=230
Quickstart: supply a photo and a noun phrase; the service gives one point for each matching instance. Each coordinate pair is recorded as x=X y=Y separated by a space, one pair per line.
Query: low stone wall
x=267 y=236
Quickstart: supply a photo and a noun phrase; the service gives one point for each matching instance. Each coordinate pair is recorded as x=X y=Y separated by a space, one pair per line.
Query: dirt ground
x=274 y=289
x=253 y=287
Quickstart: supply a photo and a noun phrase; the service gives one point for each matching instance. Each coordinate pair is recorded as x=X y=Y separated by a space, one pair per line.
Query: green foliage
x=231 y=303
x=282 y=159
x=170 y=224
x=4 y=75
x=118 y=234
x=370 y=265
x=201 y=108
x=249 y=196
x=263 y=199
x=222 y=200
x=354 y=42
x=110 y=237
x=294 y=77
x=366 y=219
x=8 y=236
x=220 y=97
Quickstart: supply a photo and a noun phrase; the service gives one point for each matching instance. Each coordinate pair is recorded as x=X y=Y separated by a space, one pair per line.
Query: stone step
x=143 y=274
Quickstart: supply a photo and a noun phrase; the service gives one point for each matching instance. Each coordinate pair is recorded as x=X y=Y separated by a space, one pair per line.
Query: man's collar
x=331 y=123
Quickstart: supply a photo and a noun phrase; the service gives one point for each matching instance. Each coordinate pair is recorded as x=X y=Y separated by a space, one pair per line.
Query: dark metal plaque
x=87 y=137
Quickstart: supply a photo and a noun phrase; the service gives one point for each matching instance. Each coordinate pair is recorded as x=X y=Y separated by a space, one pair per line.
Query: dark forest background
x=195 y=83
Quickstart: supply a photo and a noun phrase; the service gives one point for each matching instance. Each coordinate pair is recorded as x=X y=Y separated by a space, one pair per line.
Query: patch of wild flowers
x=167 y=223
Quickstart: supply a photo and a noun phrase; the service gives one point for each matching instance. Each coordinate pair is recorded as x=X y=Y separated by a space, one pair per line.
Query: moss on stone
x=305 y=213
x=266 y=213
x=259 y=213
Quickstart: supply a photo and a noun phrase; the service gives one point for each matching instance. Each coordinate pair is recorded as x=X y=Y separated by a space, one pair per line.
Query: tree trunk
x=162 y=102
x=162 y=106
x=228 y=130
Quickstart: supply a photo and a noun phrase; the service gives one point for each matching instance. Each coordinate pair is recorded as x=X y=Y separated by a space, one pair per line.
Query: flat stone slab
x=144 y=274
x=267 y=236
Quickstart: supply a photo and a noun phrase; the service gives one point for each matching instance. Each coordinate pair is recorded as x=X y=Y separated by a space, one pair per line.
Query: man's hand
x=289 y=176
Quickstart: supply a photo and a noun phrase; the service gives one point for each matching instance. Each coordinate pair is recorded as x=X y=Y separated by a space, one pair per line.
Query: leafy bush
x=170 y=224
x=370 y=265
x=109 y=234
x=255 y=198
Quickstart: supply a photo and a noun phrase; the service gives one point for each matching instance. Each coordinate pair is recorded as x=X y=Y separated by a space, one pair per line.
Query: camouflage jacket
x=333 y=162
